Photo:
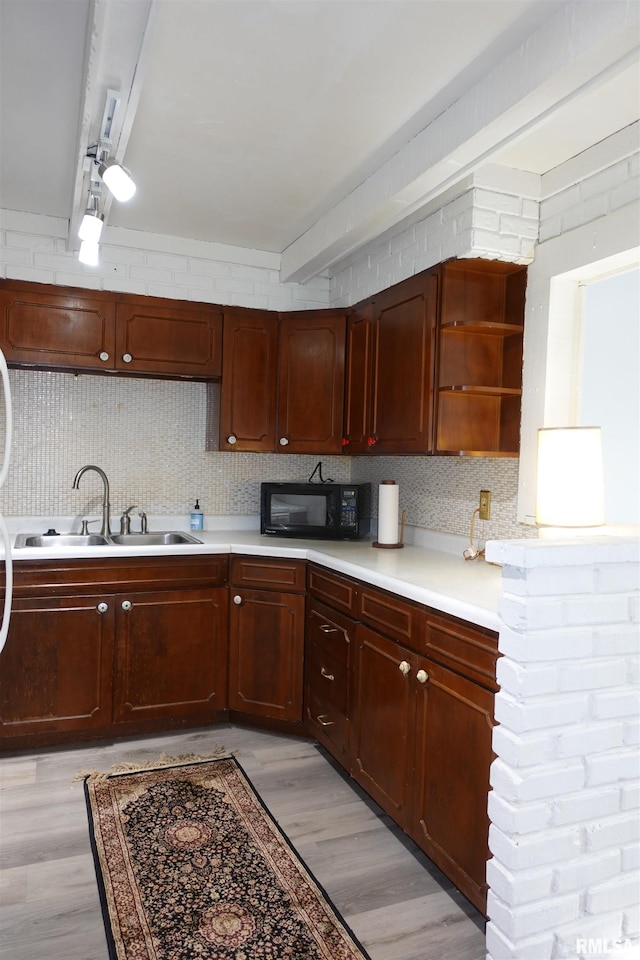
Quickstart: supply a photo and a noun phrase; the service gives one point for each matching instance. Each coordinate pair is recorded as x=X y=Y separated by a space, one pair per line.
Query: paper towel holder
x=394 y=546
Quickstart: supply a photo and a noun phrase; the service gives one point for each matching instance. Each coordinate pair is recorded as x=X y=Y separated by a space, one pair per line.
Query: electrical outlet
x=485 y=504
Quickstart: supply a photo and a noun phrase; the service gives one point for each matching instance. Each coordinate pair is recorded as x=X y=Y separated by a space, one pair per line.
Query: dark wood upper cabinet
x=249 y=381
x=390 y=359
x=51 y=327
x=282 y=381
x=479 y=358
x=161 y=337
x=311 y=382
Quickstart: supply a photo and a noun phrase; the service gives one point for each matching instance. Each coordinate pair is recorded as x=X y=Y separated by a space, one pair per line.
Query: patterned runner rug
x=191 y=866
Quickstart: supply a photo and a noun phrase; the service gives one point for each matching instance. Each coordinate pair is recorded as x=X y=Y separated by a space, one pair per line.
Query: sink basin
x=152 y=539
x=61 y=540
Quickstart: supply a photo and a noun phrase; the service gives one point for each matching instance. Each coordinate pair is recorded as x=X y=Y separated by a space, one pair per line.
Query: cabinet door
x=45 y=326
x=383 y=711
x=403 y=356
x=173 y=339
x=358 y=397
x=311 y=382
x=171 y=652
x=453 y=755
x=249 y=382
x=266 y=647
x=55 y=669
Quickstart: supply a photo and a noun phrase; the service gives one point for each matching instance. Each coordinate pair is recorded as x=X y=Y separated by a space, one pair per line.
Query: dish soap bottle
x=197 y=517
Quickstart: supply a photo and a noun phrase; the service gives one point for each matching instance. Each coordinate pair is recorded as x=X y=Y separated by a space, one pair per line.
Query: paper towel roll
x=388 y=499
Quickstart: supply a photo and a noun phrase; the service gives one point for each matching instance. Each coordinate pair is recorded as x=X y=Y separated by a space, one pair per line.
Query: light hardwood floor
x=398 y=904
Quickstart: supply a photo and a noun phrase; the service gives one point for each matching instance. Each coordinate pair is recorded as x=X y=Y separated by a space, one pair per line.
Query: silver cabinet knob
x=422 y=676
x=127 y=357
x=232 y=439
x=126 y=604
x=102 y=607
x=237 y=599
x=404 y=668
x=104 y=356
x=283 y=441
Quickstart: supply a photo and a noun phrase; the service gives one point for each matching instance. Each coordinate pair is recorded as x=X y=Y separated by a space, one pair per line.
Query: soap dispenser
x=197 y=517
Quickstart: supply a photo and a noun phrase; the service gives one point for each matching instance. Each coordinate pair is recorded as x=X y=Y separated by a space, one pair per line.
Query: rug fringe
x=164 y=761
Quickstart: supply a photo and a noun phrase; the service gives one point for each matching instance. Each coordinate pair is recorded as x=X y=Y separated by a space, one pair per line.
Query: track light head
x=118 y=180
x=89 y=253
x=92 y=222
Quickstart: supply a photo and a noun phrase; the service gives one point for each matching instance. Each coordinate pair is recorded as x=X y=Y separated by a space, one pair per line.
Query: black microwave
x=324 y=511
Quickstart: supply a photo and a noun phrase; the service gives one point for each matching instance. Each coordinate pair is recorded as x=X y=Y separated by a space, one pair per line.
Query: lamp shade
x=89 y=253
x=570 y=486
x=118 y=180
x=91 y=226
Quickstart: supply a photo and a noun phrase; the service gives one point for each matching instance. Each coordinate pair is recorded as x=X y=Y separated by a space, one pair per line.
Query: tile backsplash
x=149 y=436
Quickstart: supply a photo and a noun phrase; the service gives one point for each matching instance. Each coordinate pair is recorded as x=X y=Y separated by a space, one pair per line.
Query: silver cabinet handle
x=422 y=676
x=232 y=439
x=102 y=607
x=104 y=356
x=404 y=667
x=328 y=629
x=283 y=441
x=237 y=599
x=327 y=676
x=127 y=357
x=126 y=604
x=322 y=720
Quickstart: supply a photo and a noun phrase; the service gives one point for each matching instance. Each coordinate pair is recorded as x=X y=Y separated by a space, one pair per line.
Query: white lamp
x=89 y=253
x=118 y=179
x=92 y=222
x=570 y=477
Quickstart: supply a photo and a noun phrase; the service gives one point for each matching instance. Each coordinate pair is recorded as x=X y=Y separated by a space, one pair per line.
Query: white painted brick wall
x=34 y=248
x=493 y=214
x=564 y=876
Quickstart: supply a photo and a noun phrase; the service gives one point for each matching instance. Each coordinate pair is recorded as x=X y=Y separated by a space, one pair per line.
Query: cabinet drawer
x=268 y=574
x=330 y=632
x=338 y=591
x=328 y=679
x=328 y=723
x=470 y=651
x=400 y=619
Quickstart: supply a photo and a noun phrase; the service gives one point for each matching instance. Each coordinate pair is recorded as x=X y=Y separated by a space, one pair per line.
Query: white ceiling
x=248 y=122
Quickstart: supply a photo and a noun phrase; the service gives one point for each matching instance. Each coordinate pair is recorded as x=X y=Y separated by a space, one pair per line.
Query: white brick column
x=564 y=808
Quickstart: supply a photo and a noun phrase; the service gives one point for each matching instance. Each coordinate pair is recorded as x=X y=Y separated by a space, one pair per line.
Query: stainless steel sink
x=61 y=540
x=152 y=539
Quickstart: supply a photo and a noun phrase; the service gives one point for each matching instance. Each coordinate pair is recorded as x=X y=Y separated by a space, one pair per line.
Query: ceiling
x=258 y=123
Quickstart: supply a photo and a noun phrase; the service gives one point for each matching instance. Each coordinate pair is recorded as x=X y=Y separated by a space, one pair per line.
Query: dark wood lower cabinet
x=170 y=654
x=454 y=720
x=99 y=647
x=55 y=669
x=383 y=749
x=266 y=638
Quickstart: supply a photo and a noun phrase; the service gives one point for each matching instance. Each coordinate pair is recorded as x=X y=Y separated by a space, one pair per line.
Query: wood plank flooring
x=396 y=901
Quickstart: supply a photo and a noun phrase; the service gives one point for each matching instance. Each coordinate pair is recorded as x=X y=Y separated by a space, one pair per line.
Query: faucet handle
x=125 y=519
x=143 y=521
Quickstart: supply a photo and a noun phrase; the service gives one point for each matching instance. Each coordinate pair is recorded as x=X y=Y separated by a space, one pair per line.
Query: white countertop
x=446 y=581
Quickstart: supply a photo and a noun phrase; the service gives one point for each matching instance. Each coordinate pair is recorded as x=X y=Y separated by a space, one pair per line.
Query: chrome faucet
x=106 y=520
